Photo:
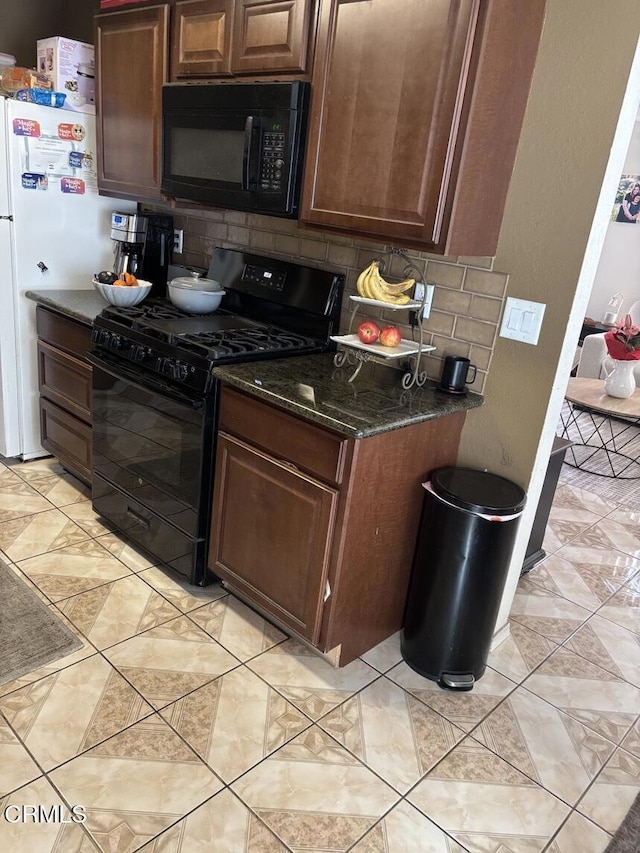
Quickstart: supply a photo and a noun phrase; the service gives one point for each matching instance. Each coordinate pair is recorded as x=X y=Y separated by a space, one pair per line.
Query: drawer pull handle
x=139 y=519
x=289 y=464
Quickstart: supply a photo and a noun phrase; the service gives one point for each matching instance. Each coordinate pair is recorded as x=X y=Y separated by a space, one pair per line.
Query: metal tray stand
x=357 y=353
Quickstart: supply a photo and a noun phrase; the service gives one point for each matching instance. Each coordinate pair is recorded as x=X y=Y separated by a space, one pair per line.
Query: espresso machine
x=142 y=245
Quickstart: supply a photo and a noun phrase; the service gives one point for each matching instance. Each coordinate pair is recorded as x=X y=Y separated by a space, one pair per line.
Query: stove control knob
x=180 y=370
x=113 y=341
x=137 y=352
x=170 y=367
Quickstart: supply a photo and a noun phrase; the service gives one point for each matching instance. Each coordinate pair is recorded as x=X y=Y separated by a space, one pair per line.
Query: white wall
x=619 y=266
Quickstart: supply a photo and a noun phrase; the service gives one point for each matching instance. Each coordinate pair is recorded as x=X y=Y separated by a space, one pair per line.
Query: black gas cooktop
x=213 y=336
x=271 y=308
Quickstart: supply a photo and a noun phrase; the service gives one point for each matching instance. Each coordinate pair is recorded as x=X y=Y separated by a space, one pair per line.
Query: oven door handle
x=121 y=371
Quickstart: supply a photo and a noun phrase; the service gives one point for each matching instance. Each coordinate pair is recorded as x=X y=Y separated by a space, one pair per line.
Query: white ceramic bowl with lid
x=195 y=281
x=194 y=294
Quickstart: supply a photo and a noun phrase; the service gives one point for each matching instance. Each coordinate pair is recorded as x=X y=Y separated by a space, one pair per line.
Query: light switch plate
x=522 y=320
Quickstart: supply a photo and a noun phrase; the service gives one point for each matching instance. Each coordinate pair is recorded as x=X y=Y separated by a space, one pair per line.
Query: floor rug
x=627 y=838
x=31 y=635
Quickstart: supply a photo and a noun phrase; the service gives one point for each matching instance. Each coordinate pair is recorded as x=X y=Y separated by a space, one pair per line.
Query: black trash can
x=464 y=546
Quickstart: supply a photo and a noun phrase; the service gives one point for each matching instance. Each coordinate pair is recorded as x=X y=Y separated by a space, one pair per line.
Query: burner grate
x=229 y=342
x=149 y=310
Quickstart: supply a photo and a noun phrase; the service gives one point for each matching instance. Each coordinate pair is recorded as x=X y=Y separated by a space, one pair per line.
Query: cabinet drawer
x=284 y=436
x=67 y=438
x=63 y=332
x=65 y=380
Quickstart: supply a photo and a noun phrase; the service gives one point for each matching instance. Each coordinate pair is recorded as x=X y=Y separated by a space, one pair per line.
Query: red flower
x=623 y=341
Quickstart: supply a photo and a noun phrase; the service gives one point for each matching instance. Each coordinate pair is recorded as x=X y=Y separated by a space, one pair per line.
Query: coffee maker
x=142 y=245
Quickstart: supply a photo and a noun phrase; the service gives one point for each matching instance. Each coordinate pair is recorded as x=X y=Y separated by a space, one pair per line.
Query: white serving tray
x=404 y=348
x=410 y=306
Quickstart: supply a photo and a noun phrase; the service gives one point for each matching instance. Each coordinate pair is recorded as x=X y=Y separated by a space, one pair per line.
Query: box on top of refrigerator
x=70 y=65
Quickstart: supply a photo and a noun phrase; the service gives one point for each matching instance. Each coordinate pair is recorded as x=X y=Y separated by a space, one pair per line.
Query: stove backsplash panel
x=468 y=298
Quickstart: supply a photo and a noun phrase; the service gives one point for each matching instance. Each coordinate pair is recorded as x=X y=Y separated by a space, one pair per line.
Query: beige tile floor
x=187 y=723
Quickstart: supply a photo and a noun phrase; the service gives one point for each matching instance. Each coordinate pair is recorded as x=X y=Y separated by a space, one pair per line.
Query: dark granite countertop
x=312 y=387
x=81 y=305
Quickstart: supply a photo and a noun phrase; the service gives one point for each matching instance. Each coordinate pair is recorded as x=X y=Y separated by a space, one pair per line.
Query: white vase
x=620 y=381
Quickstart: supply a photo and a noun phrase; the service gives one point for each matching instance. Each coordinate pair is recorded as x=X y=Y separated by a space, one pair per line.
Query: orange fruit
x=119 y=283
x=129 y=279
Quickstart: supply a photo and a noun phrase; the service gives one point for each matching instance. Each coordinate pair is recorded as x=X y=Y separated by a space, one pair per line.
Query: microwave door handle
x=251 y=160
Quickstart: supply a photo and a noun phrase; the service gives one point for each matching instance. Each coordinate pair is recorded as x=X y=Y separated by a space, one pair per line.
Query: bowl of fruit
x=125 y=290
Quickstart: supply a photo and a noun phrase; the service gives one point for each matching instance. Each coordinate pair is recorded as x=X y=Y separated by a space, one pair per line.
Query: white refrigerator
x=54 y=233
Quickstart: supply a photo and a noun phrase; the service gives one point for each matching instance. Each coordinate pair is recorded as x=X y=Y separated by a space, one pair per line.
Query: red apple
x=390 y=336
x=368 y=332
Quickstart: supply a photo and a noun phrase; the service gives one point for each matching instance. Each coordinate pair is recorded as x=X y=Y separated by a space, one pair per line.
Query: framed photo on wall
x=627 y=204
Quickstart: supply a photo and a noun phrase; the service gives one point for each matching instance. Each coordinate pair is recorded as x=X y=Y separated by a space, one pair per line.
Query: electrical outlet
x=424 y=291
x=178 y=235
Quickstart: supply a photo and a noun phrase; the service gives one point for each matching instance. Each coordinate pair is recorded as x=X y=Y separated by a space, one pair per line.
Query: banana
x=397 y=287
x=365 y=284
x=371 y=285
x=400 y=299
x=376 y=286
x=360 y=283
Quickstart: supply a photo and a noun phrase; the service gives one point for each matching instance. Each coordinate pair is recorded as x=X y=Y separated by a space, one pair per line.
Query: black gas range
x=155 y=399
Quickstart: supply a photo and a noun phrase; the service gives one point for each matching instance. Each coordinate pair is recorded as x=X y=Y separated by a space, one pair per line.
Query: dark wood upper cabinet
x=204 y=40
x=416 y=115
x=212 y=38
x=201 y=38
x=131 y=67
x=270 y=36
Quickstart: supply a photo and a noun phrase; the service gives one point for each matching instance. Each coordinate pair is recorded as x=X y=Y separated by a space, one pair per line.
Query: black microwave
x=235 y=145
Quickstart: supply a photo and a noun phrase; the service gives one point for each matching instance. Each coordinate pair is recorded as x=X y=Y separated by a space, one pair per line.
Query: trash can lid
x=478 y=491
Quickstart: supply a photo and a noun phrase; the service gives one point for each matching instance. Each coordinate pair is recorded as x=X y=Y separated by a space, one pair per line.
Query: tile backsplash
x=468 y=298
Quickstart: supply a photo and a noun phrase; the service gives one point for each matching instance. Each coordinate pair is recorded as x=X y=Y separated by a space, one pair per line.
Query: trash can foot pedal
x=456 y=682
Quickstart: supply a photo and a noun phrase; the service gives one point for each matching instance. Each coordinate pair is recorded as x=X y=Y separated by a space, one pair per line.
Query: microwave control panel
x=272 y=161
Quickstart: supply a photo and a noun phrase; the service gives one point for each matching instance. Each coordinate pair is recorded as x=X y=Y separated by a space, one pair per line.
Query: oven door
x=152 y=442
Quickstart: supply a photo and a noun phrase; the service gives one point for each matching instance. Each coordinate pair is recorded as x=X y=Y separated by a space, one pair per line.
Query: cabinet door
x=201 y=38
x=131 y=61
x=415 y=118
x=271 y=534
x=270 y=36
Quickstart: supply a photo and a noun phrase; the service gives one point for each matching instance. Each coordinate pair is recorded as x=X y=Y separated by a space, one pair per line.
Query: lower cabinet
x=264 y=501
x=65 y=390
x=316 y=530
